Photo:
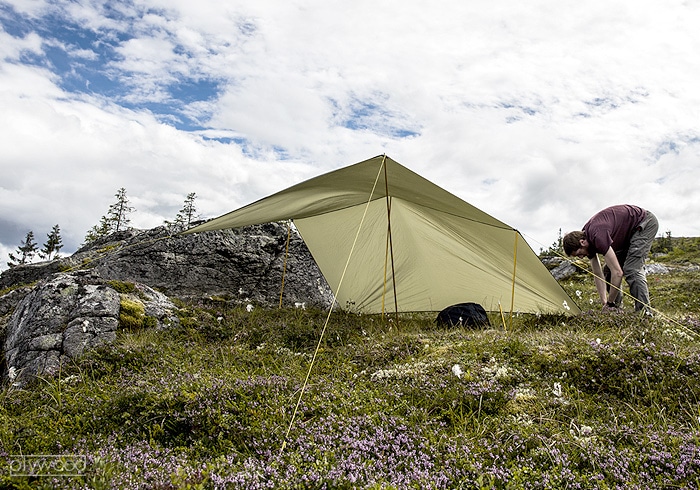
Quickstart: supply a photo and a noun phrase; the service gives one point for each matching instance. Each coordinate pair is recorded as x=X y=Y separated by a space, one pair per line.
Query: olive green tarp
x=386 y=239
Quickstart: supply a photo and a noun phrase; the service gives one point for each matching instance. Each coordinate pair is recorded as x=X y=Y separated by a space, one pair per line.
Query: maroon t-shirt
x=612 y=227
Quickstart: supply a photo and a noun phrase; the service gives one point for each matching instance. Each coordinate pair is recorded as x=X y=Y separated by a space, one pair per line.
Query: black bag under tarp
x=463 y=315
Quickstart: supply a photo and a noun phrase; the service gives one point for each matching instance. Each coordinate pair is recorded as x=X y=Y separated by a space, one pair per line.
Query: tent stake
x=503 y=318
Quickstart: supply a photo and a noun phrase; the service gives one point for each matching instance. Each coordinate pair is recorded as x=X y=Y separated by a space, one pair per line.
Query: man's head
x=575 y=244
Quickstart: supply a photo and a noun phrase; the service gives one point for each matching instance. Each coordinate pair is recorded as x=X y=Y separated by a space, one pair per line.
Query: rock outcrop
x=66 y=314
x=247 y=264
x=564 y=270
x=53 y=311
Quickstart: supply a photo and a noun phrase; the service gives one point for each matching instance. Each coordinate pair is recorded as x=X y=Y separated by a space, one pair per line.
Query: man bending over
x=623 y=234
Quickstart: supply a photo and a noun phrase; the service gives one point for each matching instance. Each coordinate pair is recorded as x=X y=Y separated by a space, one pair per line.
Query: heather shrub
x=229 y=399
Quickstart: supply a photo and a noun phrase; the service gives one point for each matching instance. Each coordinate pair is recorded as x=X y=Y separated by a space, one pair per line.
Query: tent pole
x=286 y=254
x=391 y=245
x=388 y=235
x=386 y=260
x=512 y=292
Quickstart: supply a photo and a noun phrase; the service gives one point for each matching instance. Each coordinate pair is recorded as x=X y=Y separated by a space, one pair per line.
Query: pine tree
x=99 y=231
x=53 y=244
x=25 y=251
x=115 y=220
x=187 y=214
x=118 y=211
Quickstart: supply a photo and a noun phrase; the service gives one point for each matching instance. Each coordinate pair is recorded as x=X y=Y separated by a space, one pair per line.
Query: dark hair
x=572 y=241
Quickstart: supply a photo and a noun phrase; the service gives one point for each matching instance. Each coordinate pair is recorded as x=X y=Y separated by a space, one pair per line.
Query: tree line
x=116 y=219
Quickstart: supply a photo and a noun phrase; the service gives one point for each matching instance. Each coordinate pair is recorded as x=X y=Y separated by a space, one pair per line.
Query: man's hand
x=610 y=306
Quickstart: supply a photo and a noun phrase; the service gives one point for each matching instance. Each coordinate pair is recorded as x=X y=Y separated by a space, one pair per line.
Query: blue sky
x=539 y=113
x=94 y=61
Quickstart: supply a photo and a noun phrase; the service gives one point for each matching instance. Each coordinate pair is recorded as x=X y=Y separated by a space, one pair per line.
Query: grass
x=598 y=400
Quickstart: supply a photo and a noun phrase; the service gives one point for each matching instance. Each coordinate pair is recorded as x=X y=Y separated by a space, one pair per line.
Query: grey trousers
x=632 y=262
x=633 y=267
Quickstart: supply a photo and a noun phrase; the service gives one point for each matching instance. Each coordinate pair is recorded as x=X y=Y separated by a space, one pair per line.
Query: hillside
x=222 y=400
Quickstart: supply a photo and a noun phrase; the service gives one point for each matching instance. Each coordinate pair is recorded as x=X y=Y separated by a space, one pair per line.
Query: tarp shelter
x=386 y=239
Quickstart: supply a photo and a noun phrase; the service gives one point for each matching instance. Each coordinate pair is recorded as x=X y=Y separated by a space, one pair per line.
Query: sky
x=540 y=113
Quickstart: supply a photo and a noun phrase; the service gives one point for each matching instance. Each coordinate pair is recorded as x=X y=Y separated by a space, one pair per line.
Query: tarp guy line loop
x=328 y=317
x=286 y=255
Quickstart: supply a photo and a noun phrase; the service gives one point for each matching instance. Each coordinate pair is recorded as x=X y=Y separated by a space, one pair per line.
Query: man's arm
x=599 y=279
x=615 y=274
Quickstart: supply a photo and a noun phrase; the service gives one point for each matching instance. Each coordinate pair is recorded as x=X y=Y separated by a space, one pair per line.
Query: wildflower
x=402 y=371
x=675 y=332
x=525 y=393
x=457 y=370
x=72 y=379
x=582 y=434
x=249 y=308
x=557 y=390
x=502 y=372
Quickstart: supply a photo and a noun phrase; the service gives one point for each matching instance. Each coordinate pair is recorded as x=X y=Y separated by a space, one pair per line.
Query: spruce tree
x=118 y=212
x=25 y=252
x=53 y=244
x=188 y=213
x=116 y=219
x=99 y=231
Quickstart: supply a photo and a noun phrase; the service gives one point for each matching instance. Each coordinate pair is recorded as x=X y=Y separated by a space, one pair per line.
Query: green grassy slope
x=601 y=400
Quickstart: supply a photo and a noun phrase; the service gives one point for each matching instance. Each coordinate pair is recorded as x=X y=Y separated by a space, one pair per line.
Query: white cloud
x=65 y=160
x=540 y=113
x=29 y=7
